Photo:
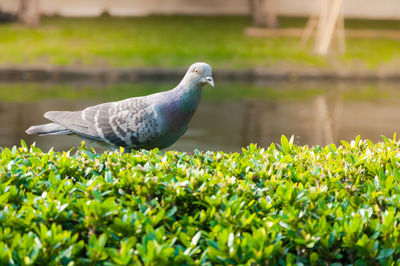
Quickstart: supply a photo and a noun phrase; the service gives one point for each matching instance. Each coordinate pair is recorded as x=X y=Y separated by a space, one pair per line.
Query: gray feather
x=48 y=129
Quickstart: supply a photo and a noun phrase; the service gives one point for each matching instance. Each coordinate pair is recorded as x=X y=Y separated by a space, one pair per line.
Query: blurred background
x=321 y=70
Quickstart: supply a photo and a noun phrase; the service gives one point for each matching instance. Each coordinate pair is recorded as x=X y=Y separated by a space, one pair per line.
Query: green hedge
x=283 y=204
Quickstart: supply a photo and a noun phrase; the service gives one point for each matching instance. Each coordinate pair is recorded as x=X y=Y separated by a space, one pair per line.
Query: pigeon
x=153 y=121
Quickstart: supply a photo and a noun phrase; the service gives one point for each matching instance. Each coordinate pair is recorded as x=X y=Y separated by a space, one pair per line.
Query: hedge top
x=283 y=204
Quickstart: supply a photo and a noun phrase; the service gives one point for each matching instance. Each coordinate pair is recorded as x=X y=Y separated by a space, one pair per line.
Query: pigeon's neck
x=180 y=105
x=188 y=96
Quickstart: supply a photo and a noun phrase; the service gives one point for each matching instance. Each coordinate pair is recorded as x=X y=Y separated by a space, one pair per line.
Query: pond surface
x=229 y=117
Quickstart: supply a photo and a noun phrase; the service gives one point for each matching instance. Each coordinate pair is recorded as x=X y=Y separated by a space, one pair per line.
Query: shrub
x=283 y=204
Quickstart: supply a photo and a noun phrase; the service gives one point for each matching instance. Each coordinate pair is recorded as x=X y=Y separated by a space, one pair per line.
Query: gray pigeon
x=147 y=122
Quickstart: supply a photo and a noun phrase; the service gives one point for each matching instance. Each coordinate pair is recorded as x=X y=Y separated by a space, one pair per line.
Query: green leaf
x=384 y=254
x=314 y=258
x=385 y=139
x=285 y=144
x=171 y=212
x=109 y=177
x=101 y=242
x=196 y=238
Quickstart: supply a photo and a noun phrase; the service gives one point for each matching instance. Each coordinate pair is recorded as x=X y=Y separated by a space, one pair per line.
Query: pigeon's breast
x=173 y=124
x=174 y=120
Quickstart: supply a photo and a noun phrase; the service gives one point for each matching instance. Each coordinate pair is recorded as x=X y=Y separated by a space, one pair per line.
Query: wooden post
x=308 y=31
x=327 y=31
x=29 y=12
x=324 y=10
x=329 y=22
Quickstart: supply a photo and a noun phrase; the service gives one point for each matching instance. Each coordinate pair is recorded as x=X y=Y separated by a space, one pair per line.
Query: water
x=230 y=116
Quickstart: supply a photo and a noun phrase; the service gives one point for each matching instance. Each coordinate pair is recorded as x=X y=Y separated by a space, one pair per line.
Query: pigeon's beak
x=210 y=81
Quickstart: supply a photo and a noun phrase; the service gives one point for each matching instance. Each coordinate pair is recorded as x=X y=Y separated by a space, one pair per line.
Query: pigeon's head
x=200 y=73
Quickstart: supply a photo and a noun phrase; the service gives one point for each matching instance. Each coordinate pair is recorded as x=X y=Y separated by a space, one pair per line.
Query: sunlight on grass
x=174 y=42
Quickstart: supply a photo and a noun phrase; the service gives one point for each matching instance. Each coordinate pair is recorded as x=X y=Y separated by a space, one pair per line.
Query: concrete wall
x=389 y=9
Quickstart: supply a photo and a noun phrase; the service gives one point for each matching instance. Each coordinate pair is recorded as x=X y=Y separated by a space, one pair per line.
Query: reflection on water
x=229 y=117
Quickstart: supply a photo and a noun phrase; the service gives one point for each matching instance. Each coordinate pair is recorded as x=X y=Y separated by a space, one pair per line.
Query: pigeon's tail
x=48 y=129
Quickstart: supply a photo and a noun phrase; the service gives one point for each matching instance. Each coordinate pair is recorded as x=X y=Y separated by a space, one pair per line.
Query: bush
x=280 y=205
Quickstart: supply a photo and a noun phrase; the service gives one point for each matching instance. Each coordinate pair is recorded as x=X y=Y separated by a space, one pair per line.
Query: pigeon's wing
x=74 y=122
x=128 y=123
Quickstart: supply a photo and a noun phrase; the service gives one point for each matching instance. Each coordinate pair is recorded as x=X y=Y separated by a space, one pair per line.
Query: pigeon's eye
x=196 y=71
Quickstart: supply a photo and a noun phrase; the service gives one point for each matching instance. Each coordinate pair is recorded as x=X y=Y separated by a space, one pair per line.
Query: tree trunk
x=29 y=12
x=263 y=13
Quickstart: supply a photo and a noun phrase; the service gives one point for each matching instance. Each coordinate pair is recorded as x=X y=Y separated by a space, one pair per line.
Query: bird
x=147 y=122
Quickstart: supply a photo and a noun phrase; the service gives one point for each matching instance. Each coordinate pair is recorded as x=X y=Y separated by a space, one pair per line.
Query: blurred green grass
x=178 y=41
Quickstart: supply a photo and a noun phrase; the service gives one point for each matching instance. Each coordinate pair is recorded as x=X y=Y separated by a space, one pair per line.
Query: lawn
x=177 y=41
